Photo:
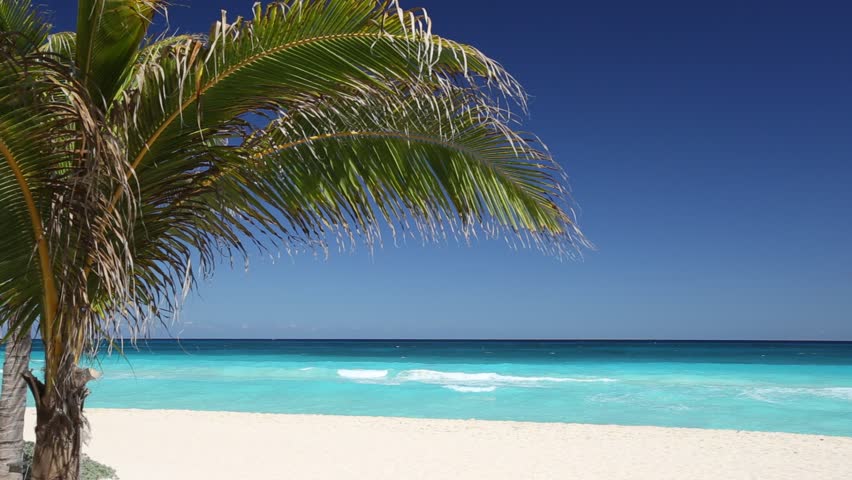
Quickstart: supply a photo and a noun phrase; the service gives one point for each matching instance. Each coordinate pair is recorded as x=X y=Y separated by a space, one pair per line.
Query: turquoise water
x=788 y=387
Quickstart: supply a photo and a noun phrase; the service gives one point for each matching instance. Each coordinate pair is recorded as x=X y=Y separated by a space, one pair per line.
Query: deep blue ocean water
x=787 y=387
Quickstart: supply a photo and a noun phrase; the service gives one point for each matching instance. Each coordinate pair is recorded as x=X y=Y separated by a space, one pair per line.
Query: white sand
x=179 y=445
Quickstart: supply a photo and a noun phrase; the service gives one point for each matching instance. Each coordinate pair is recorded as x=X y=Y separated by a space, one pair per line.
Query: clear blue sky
x=709 y=146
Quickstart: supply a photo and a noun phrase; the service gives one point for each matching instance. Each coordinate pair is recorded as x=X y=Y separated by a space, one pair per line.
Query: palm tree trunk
x=13 y=404
x=59 y=423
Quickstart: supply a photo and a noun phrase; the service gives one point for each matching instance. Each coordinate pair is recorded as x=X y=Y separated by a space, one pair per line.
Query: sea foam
x=463 y=389
x=487 y=378
x=363 y=374
x=779 y=394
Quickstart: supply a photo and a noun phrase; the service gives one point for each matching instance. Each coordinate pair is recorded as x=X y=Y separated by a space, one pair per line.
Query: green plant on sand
x=89 y=469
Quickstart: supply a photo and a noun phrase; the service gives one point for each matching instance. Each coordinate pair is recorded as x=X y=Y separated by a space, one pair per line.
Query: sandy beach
x=175 y=444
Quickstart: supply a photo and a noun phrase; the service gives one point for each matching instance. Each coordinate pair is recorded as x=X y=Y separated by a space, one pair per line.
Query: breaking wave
x=780 y=394
x=363 y=374
x=463 y=389
x=489 y=378
x=460 y=381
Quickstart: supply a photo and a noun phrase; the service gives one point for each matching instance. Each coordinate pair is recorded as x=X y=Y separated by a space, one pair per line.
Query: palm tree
x=132 y=165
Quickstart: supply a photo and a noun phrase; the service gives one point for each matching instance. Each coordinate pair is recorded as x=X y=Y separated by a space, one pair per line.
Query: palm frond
x=28 y=153
x=63 y=44
x=422 y=162
x=380 y=121
x=57 y=174
x=109 y=33
x=347 y=167
x=315 y=119
x=288 y=50
x=22 y=19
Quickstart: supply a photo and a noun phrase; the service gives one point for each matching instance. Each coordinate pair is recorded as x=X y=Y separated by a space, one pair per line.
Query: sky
x=709 y=147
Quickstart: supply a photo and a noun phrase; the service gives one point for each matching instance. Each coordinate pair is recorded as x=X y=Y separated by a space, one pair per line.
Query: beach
x=181 y=444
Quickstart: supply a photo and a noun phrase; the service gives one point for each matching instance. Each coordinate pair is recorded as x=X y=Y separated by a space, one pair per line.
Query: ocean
x=768 y=386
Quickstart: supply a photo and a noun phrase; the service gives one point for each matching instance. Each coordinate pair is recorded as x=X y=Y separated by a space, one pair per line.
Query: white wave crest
x=844 y=393
x=779 y=394
x=363 y=374
x=463 y=389
x=488 y=378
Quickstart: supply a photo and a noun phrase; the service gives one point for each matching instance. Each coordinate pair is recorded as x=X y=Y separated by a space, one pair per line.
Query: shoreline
x=190 y=444
x=31 y=410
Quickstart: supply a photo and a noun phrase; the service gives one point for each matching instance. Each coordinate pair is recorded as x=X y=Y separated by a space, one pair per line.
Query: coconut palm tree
x=131 y=165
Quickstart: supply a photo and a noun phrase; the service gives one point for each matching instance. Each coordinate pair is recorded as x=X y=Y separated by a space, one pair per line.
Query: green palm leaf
x=448 y=160
x=57 y=172
x=63 y=44
x=28 y=155
x=381 y=120
x=109 y=33
x=19 y=17
x=290 y=49
x=346 y=167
